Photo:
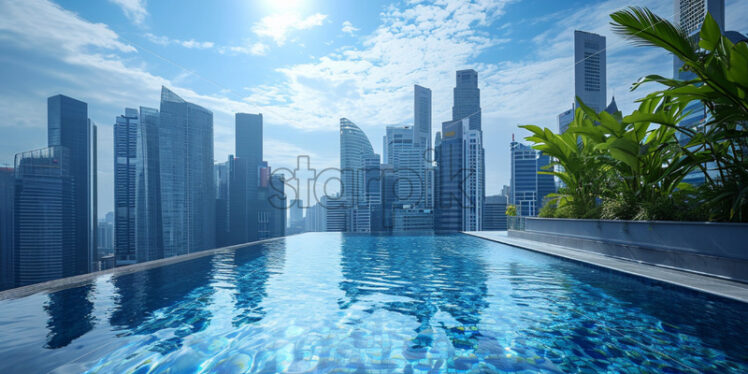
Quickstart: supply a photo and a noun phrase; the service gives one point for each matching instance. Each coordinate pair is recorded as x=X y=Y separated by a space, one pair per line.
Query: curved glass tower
x=354 y=149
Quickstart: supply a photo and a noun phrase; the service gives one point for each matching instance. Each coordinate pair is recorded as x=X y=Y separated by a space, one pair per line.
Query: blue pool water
x=343 y=303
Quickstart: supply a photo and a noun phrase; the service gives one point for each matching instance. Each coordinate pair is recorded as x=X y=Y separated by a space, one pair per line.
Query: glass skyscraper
x=45 y=217
x=125 y=168
x=7 y=196
x=467 y=98
x=590 y=82
x=68 y=126
x=186 y=168
x=148 y=223
x=244 y=179
x=422 y=120
x=528 y=188
x=354 y=148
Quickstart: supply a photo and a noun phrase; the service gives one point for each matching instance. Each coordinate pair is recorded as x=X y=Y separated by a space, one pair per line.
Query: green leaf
x=710 y=34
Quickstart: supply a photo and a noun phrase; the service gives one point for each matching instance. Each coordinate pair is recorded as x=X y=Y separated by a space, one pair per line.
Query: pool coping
x=79 y=280
x=698 y=282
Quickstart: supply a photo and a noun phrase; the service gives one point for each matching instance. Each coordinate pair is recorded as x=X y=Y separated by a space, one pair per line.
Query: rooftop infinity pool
x=329 y=302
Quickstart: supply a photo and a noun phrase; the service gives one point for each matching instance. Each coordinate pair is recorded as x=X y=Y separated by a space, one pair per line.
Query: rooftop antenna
x=512 y=136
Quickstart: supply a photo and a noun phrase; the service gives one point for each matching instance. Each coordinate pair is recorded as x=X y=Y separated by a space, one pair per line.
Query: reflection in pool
x=329 y=302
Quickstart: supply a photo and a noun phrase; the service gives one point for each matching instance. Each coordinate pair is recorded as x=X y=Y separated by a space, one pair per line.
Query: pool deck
x=698 y=282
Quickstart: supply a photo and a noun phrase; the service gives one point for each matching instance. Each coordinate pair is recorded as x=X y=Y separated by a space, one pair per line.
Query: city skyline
x=535 y=70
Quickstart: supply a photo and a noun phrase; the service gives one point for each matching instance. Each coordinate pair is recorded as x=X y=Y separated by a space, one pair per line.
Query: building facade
x=590 y=80
x=149 y=229
x=68 y=126
x=7 y=197
x=125 y=171
x=494 y=213
x=529 y=188
x=187 y=191
x=45 y=234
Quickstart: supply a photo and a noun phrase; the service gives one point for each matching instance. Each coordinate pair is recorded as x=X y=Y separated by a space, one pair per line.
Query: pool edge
x=696 y=282
x=78 y=280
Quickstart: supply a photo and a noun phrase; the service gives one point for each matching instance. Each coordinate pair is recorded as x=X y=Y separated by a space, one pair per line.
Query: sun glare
x=284 y=5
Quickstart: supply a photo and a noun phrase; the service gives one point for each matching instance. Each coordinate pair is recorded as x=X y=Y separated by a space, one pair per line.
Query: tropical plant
x=511 y=210
x=580 y=168
x=719 y=80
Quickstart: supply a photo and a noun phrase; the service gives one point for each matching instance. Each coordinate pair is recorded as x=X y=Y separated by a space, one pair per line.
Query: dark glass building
x=45 y=217
x=68 y=126
x=148 y=222
x=467 y=98
x=186 y=168
x=125 y=169
x=7 y=196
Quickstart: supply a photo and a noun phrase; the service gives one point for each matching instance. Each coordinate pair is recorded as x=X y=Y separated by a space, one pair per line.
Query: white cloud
x=348 y=28
x=192 y=44
x=279 y=26
x=255 y=49
x=134 y=10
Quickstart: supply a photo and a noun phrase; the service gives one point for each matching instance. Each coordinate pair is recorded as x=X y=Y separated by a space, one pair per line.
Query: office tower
x=296 y=217
x=528 y=188
x=7 y=196
x=244 y=174
x=45 y=216
x=546 y=184
x=68 y=126
x=494 y=213
x=187 y=191
x=689 y=15
x=105 y=238
x=240 y=204
x=467 y=98
x=271 y=204
x=422 y=120
x=336 y=214
x=221 y=175
x=148 y=210
x=354 y=148
x=459 y=202
x=590 y=83
x=125 y=165
x=473 y=174
x=410 y=169
x=316 y=217
x=565 y=119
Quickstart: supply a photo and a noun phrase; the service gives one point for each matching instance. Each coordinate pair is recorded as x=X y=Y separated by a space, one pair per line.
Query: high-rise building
x=187 y=191
x=105 y=238
x=409 y=166
x=336 y=214
x=221 y=175
x=354 y=148
x=244 y=180
x=422 y=120
x=494 y=213
x=316 y=217
x=271 y=205
x=7 y=196
x=467 y=98
x=528 y=188
x=459 y=198
x=125 y=171
x=565 y=119
x=68 y=126
x=689 y=15
x=590 y=82
x=296 y=216
x=45 y=217
x=149 y=229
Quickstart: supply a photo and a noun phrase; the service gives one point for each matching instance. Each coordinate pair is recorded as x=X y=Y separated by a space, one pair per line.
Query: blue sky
x=304 y=64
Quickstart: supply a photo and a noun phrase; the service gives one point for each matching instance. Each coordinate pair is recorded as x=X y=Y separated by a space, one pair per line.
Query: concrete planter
x=719 y=249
